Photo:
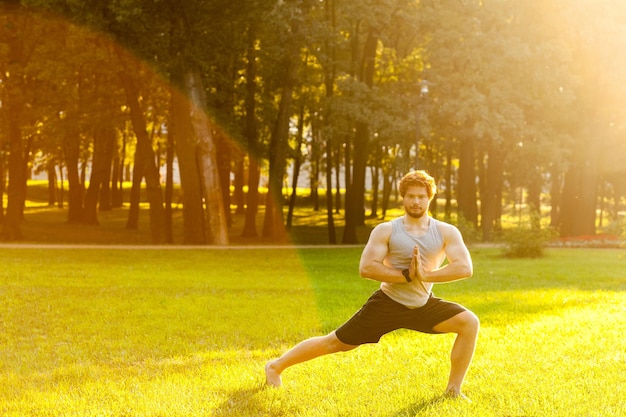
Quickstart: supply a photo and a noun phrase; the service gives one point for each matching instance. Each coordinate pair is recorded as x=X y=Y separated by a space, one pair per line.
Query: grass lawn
x=186 y=332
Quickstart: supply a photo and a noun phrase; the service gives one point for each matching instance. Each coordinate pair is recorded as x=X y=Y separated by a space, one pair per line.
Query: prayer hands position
x=416 y=271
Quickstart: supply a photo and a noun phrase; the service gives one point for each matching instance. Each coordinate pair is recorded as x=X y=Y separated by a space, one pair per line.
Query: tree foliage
x=523 y=96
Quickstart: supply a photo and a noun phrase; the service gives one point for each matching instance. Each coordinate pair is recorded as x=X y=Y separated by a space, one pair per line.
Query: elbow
x=469 y=271
x=365 y=271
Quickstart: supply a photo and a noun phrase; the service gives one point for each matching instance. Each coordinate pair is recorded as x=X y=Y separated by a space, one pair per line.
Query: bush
x=617 y=228
x=526 y=243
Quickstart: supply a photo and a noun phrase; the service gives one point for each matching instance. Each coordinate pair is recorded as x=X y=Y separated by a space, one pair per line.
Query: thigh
x=426 y=319
x=457 y=323
x=378 y=316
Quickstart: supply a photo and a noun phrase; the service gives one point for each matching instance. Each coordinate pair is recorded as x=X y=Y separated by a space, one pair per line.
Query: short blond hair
x=421 y=179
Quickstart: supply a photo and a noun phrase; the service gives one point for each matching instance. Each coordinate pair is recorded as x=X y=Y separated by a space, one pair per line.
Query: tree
x=15 y=82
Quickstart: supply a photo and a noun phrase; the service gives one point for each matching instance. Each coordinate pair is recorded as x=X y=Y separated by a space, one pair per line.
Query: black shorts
x=381 y=315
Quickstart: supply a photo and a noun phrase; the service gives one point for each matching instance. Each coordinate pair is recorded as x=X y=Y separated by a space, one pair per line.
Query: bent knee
x=336 y=345
x=470 y=321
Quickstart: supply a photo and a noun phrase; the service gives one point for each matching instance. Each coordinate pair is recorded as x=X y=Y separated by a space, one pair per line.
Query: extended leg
x=466 y=326
x=302 y=352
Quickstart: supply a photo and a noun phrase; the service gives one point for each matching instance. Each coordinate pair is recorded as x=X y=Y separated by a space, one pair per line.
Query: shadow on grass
x=420 y=406
x=241 y=402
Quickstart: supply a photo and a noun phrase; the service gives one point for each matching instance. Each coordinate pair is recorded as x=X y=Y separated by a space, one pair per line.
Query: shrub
x=526 y=243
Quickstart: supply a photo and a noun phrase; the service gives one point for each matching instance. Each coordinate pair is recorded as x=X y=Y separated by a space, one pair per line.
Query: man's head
x=418 y=179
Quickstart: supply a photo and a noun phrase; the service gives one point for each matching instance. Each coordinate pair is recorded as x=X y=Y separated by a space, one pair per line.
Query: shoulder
x=381 y=233
x=383 y=229
x=447 y=230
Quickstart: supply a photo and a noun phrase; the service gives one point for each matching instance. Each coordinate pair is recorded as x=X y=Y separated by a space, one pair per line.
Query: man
x=407 y=256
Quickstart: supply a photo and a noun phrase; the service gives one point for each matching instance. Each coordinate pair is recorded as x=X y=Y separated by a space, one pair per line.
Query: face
x=416 y=201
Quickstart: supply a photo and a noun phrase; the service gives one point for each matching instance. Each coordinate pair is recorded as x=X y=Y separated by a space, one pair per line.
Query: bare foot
x=457 y=395
x=272 y=378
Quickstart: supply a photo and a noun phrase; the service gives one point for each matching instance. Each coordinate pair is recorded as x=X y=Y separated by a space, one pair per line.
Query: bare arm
x=371 y=265
x=459 y=264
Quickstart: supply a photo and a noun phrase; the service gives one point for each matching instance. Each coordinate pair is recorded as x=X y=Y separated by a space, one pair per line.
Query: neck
x=421 y=221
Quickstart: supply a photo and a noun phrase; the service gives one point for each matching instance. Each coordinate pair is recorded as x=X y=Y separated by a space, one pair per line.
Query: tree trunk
x=71 y=150
x=491 y=201
x=169 y=177
x=466 y=187
x=580 y=194
x=448 y=205
x=148 y=161
x=223 y=156
x=2 y=186
x=193 y=217
x=104 y=139
x=216 y=227
x=238 y=183
x=274 y=226
x=61 y=196
x=251 y=134
x=14 y=107
x=555 y=197
x=355 y=192
x=375 y=173
x=52 y=184
x=297 y=161
x=534 y=200
x=337 y=150
x=332 y=235
x=116 y=184
x=16 y=192
x=132 y=223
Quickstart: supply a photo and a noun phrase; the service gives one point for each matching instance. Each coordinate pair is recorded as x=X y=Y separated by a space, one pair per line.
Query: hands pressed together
x=416 y=270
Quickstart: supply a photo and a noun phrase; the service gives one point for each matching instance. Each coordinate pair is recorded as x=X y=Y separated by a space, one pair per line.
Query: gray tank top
x=415 y=293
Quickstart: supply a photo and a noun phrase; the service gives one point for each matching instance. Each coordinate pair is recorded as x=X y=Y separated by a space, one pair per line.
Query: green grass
x=181 y=332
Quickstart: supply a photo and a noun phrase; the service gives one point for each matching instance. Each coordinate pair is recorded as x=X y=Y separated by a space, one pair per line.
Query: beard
x=416 y=213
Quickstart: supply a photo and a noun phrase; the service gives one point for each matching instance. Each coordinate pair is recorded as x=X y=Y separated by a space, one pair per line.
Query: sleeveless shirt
x=415 y=293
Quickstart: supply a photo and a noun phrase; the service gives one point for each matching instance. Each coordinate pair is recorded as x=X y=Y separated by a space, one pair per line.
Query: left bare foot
x=272 y=378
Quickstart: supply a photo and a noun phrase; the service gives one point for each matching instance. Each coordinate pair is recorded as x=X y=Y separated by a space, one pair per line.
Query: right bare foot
x=272 y=378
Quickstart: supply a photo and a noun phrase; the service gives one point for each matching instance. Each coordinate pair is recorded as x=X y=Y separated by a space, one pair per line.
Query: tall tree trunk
x=116 y=184
x=216 y=225
x=14 y=108
x=337 y=150
x=132 y=223
x=466 y=187
x=104 y=139
x=315 y=158
x=448 y=205
x=148 y=161
x=252 y=139
x=375 y=174
x=238 y=183
x=491 y=201
x=193 y=215
x=169 y=177
x=16 y=193
x=52 y=183
x=2 y=186
x=355 y=192
x=297 y=161
x=534 y=199
x=556 y=180
x=580 y=195
x=274 y=226
x=61 y=196
x=332 y=235
x=224 y=151
x=76 y=190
